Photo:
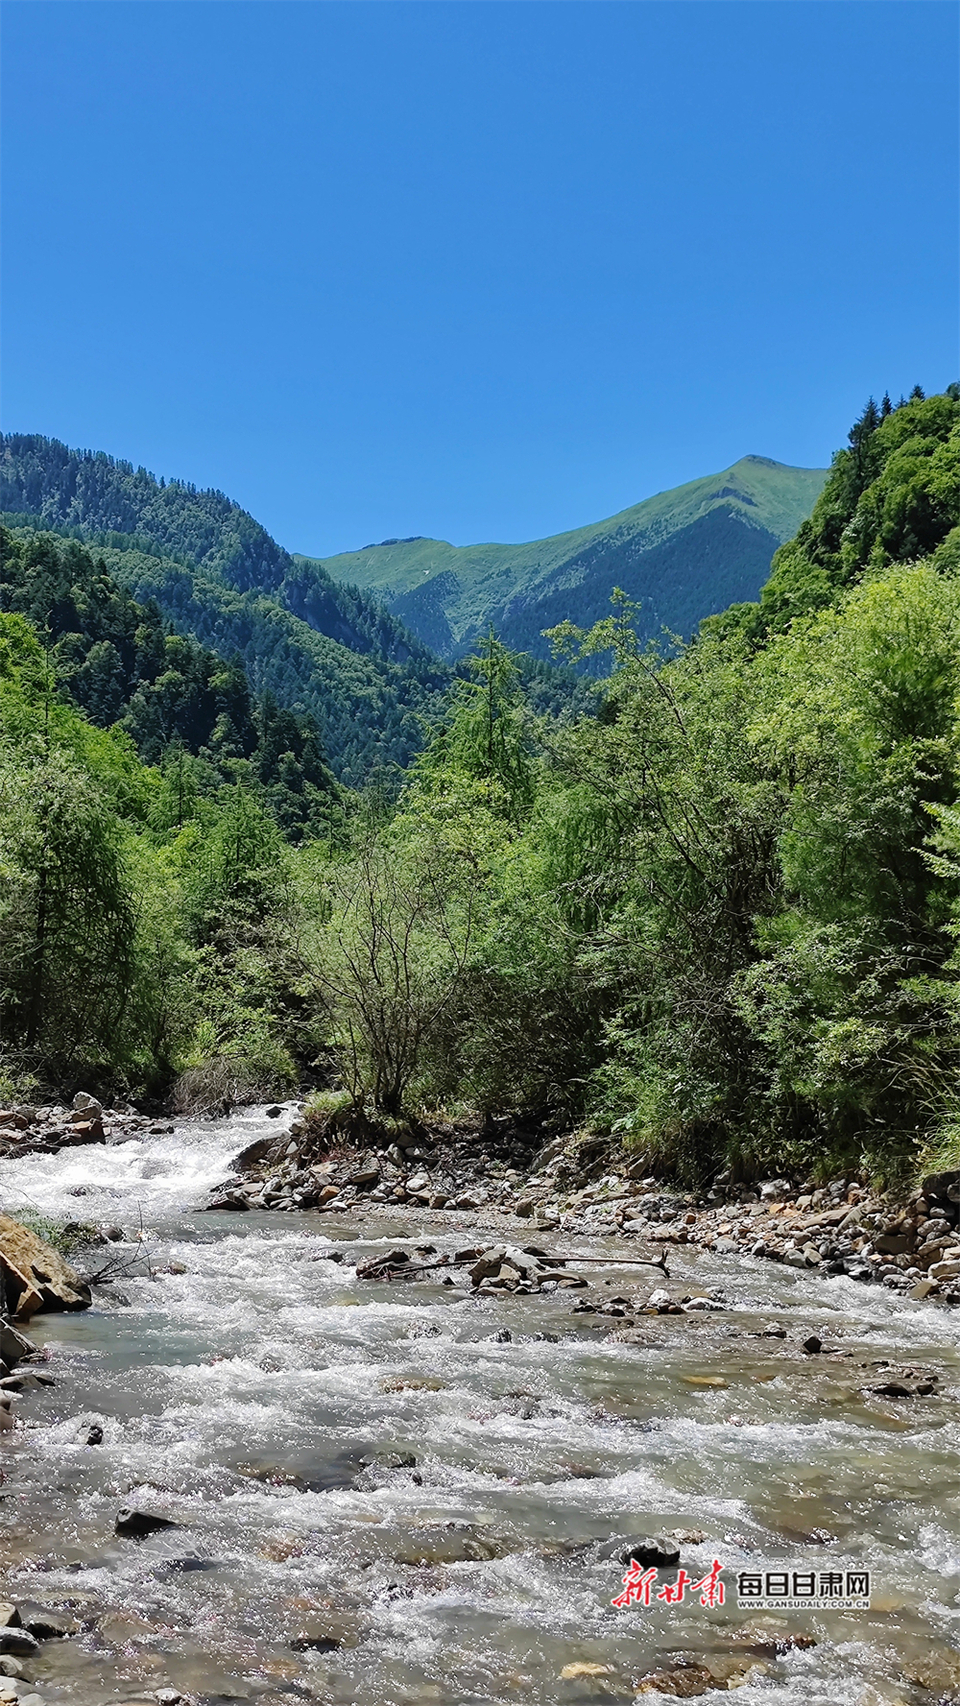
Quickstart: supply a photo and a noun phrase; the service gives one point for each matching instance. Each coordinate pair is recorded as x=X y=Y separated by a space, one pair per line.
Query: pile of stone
x=491 y=1269
x=585 y=1185
x=840 y=1228
x=343 y=1161
x=27 y=1129
x=23 y=1630
x=278 y=1174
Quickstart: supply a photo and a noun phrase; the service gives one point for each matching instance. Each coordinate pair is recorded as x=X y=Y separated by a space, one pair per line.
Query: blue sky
x=483 y=270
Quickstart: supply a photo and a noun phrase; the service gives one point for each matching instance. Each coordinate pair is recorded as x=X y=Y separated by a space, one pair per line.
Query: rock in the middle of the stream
x=136 y=1523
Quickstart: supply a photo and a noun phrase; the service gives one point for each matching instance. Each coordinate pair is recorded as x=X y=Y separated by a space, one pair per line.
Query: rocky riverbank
x=34 y=1129
x=502 y=1173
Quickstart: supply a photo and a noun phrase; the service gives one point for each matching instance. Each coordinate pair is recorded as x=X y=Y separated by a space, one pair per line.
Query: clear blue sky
x=472 y=270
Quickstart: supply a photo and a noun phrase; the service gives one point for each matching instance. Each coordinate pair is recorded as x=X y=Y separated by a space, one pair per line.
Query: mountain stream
x=388 y=1495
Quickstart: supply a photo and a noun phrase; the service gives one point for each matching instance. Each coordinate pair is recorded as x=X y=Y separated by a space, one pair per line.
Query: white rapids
x=380 y=1502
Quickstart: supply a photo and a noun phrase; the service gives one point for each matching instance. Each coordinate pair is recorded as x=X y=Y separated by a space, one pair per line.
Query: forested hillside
x=217 y=576
x=319 y=647
x=680 y=556
x=719 y=918
x=117 y=660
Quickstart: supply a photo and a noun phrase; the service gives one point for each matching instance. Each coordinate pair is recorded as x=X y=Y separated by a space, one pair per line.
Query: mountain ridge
x=319 y=646
x=446 y=594
x=218 y=576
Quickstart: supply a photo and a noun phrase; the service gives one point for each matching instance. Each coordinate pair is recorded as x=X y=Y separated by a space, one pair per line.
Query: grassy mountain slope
x=683 y=555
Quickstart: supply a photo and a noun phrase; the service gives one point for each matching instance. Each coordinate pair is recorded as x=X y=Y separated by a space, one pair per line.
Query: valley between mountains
x=480 y=1112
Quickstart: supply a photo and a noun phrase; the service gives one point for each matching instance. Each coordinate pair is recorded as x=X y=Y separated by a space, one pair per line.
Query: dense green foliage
x=118 y=661
x=139 y=906
x=718 y=915
x=679 y=556
x=721 y=917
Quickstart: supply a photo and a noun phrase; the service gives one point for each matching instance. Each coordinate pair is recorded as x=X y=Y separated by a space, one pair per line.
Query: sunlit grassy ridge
x=683 y=554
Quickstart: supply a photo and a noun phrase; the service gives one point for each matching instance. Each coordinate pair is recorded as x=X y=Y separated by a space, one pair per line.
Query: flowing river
x=390 y=1495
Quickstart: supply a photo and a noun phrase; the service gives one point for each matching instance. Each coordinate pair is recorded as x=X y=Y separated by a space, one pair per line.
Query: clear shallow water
x=244 y=1398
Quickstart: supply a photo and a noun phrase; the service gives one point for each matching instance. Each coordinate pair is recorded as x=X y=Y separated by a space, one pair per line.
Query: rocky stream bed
x=388 y=1425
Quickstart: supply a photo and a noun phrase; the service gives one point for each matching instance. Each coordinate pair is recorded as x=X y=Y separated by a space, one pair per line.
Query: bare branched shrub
x=220 y=1085
x=391 y=959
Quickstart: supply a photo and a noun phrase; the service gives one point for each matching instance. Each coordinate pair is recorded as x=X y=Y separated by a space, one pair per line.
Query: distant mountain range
x=681 y=555
x=368 y=641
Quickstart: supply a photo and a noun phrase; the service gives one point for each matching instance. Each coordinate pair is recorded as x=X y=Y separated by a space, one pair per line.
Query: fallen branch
x=121 y=1267
x=403 y=1270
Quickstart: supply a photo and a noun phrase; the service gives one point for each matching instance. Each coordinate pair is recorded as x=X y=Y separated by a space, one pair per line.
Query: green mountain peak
x=682 y=554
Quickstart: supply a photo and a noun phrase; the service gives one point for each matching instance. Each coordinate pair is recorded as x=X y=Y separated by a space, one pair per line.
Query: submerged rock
x=46 y=1623
x=684 y=1682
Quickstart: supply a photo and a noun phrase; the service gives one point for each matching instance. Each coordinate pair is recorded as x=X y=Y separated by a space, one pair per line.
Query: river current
x=389 y=1495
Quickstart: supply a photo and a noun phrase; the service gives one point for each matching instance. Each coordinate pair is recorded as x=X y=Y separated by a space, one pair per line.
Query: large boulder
x=86 y=1104
x=34 y=1275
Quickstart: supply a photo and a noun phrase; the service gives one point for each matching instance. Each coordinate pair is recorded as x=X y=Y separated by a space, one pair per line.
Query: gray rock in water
x=184 y=1566
x=19 y=1643
x=13 y=1345
x=231 y=1201
x=46 y=1623
x=648 y=1550
x=685 y=1681
x=488 y=1263
x=135 y=1523
x=315 y=1644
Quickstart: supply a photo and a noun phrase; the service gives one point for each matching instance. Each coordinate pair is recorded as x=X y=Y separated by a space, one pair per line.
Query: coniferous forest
x=711 y=903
